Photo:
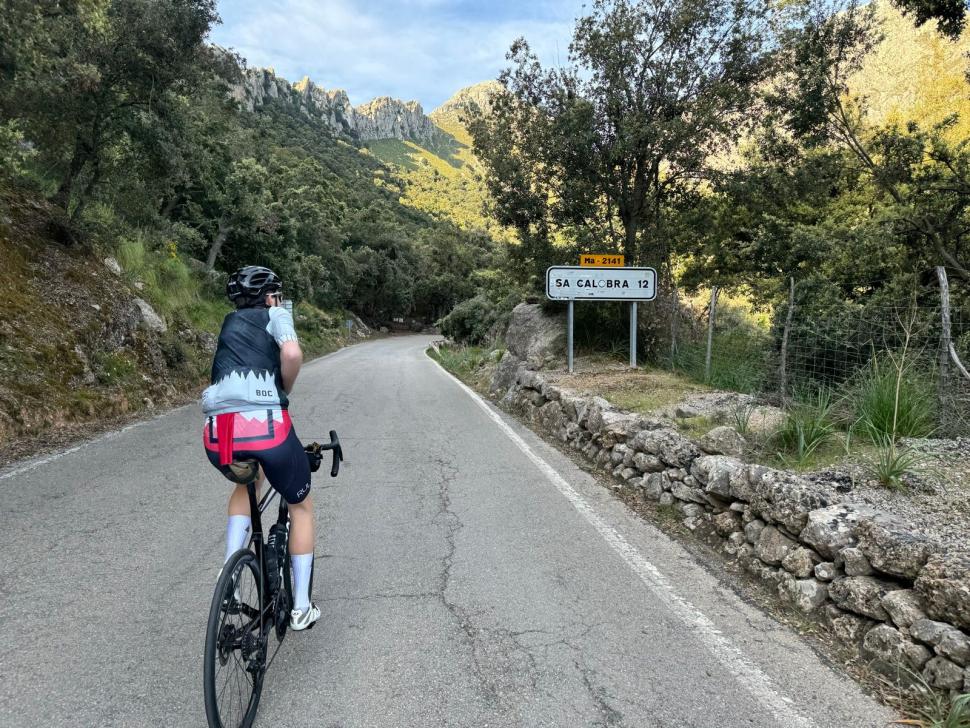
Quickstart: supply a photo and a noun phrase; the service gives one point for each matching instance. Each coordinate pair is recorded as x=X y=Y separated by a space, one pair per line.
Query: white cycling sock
x=237 y=531
x=302 y=564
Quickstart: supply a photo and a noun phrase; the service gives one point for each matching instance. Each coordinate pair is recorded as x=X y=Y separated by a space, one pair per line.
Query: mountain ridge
x=381 y=118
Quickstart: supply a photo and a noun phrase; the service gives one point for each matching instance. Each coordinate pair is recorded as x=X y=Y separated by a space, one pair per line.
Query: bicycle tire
x=251 y=658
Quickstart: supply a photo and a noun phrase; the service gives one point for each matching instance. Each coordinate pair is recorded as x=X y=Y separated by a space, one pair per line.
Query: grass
x=742 y=418
x=696 y=427
x=881 y=410
x=640 y=390
x=808 y=427
x=168 y=284
x=462 y=361
x=737 y=362
x=468 y=363
x=929 y=708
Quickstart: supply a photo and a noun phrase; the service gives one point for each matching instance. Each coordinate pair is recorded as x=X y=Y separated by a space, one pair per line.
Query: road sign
x=564 y=283
x=600 y=260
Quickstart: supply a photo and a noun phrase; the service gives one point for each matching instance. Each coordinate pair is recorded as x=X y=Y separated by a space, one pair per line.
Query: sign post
x=633 y=335
x=577 y=283
x=569 y=333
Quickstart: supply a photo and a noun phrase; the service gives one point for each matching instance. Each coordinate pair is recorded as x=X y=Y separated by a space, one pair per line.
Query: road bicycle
x=252 y=601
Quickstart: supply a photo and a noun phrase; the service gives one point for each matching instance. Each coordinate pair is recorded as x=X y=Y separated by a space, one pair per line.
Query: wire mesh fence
x=904 y=352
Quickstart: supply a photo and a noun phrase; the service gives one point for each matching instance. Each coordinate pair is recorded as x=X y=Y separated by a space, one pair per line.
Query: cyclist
x=256 y=364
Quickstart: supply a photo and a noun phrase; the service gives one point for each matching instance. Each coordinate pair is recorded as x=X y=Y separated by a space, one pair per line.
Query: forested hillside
x=121 y=139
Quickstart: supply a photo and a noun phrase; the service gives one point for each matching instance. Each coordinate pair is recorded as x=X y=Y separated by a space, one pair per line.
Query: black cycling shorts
x=270 y=440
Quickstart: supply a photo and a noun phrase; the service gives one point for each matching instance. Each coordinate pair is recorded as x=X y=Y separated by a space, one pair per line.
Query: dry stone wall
x=881 y=586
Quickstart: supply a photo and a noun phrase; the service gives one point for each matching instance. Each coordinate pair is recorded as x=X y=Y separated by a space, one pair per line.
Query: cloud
x=409 y=49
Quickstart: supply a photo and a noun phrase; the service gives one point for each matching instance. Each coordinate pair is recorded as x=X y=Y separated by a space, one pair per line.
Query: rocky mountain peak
x=381 y=118
x=477 y=95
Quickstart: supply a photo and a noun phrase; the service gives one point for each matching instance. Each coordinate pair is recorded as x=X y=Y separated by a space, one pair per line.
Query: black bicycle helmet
x=248 y=286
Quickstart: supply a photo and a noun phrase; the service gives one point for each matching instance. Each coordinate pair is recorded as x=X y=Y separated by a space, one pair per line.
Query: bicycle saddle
x=241 y=471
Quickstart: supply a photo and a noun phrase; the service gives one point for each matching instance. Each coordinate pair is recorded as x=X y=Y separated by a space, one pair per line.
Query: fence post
x=948 y=348
x=783 y=373
x=674 y=322
x=710 y=333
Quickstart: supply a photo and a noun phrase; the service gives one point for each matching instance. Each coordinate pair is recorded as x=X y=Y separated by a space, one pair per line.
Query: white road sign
x=600 y=284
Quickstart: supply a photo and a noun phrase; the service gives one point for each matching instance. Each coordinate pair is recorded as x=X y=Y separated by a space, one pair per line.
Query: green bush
x=472 y=321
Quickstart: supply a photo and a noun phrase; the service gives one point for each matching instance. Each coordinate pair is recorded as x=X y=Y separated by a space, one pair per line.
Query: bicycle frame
x=259 y=546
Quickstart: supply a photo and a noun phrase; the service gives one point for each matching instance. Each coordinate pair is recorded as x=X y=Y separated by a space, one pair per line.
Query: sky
x=408 y=49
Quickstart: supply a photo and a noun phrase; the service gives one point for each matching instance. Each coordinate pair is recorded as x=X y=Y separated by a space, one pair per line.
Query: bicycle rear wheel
x=235 y=645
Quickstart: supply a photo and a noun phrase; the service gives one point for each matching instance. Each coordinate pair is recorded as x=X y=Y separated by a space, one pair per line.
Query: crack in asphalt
x=501 y=663
x=612 y=718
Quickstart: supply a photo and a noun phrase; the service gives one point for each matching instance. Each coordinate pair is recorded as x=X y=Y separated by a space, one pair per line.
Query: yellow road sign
x=601 y=260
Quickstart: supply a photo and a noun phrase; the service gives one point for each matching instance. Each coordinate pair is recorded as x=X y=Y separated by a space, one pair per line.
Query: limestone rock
x=686 y=493
x=888 y=644
x=714 y=473
x=903 y=607
x=941 y=673
x=651 y=487
x=830 y=529
x=848 y=627
x=742 y=482
x=723 y=440
x=148 y=318
x=112 y=265
x=800 y=562
x=535 y=336
x=668 y=445
x=862 y=595
x=728 y=523
x=806 y=595
x=893 y=548
x=787 y=499
x=551 y=416
x=690 y=510
x=944 y=585
x=753 y=529
x=854 y=562
x=773 y=546
x=947 y=639
x=505 y=374
x=647 y=463
x=826 y=571
x=612 y=426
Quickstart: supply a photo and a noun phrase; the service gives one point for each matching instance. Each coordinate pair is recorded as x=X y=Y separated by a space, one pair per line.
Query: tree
x=918 y=170
x=950 y=15
x=94 y=72
x=653 y=92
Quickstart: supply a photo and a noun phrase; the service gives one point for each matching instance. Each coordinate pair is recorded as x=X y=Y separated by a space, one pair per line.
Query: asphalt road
x=468 y=575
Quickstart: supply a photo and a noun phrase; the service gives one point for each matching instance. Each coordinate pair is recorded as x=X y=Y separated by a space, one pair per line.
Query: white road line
x=32 y=464
x=754 y=680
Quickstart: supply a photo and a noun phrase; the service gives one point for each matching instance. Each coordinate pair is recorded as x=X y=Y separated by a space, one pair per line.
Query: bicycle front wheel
x=235 y=645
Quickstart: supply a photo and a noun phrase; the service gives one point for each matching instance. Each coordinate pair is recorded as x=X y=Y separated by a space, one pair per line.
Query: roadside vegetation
x=119 y=139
